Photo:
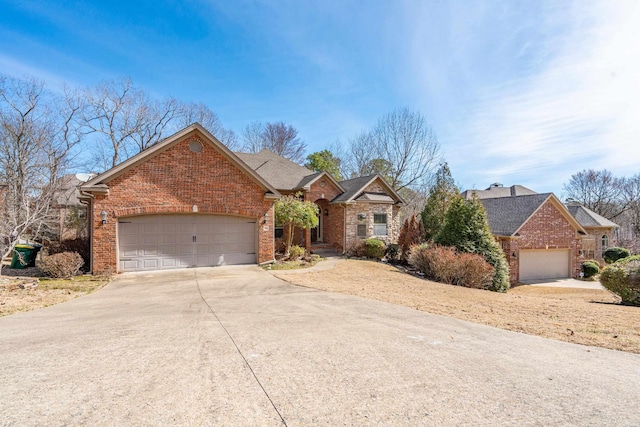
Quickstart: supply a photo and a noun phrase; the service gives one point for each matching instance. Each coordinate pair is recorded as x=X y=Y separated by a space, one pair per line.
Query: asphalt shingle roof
x=588 y=218
x=507 y=214
x=281 y=173
x=493 y=192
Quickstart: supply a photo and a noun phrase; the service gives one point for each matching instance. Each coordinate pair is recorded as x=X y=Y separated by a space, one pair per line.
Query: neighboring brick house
x=68 y=213
x=189 y=201
x=540 y=236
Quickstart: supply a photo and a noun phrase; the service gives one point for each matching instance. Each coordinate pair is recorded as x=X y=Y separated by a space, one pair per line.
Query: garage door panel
x=150 y=263
x=544 y=264
x=167 y=241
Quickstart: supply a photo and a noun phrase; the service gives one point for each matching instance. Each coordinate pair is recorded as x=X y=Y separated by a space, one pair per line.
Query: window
x=379 y=224
x=278 y=230
x=605 y=243
x=362 y=225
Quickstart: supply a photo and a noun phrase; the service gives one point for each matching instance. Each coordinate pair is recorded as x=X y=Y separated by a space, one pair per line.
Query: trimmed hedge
x=590 y=269
x=623 y=279
x=614 y=254
x=374 y=248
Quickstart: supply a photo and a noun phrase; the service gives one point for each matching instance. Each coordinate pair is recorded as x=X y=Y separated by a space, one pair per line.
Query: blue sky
x=518 y=92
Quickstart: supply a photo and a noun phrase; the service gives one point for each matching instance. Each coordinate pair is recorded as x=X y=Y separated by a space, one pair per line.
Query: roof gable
x=99 y=183
x=308 y=181
x=355 y=188
x=507 y=215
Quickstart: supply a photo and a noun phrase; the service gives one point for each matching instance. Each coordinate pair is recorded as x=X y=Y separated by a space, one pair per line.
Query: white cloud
x=580 y=109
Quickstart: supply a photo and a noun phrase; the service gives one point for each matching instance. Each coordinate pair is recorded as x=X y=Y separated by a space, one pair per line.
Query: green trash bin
x=24 y=256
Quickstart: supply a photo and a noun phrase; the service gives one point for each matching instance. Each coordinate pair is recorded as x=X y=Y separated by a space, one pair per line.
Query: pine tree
x=441 y=194
x=467 y=229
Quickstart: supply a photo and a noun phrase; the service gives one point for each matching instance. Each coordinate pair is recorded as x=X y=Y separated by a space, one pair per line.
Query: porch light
x=103 y=217
x=266 y=217
x=514 y=255
x=326 y=212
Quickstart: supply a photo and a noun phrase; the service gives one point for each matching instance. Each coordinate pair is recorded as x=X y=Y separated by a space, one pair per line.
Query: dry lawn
x=582 y=316
x=14 y=299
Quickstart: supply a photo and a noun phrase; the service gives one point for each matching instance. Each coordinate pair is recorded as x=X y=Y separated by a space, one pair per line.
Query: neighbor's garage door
x=157 y=242
x=544 y=264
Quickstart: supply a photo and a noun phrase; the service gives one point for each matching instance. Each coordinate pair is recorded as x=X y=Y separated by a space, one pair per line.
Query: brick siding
x=333 y=223
x=546 y=229
x=173 y=181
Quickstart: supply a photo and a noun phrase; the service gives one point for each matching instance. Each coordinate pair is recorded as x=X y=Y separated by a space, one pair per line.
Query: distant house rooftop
x=498 y=190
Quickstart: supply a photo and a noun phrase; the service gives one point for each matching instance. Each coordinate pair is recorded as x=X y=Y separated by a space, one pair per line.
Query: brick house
x=540 y=236
x=189 y=201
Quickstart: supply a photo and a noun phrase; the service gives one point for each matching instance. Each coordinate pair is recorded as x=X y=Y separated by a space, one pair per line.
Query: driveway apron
x=236 y=346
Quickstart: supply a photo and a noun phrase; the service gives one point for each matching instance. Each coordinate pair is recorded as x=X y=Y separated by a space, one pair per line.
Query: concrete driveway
x=236 y=346
x=566 y=283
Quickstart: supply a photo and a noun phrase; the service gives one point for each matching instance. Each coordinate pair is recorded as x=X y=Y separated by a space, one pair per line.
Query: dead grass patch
x=13 y=299
x=582 y=316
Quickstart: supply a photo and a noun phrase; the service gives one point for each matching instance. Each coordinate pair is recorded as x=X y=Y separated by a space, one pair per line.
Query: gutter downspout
x=344 y=229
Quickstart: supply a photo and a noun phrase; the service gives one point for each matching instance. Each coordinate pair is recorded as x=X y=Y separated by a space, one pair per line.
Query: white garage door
x=544 y=264
x=156 y=242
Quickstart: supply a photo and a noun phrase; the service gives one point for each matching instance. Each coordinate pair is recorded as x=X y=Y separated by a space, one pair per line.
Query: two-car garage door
x=544 y=264
x=156 y=242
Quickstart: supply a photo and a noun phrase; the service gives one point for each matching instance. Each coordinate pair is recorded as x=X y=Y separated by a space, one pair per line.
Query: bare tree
x=252 y=138
x=358 y=155
x=154 y=121
x=199 y=113
x=599 y=191
x=113 y=116
x=404 y=140
x=401 y=148
x=615 y=198
x=278 y=137
x=37 y=134
x=629 y=232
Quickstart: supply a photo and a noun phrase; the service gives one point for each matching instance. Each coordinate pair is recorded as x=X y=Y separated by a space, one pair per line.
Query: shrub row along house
x=189 y=201
x=541 y=237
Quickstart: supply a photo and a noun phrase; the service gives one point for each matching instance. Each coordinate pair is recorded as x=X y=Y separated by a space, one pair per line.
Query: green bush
x=62 y=265
x=590 y=269
x=392 y=252
x=296 y=252
x=614 y=254
x=623 y=279
x=374 y=248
